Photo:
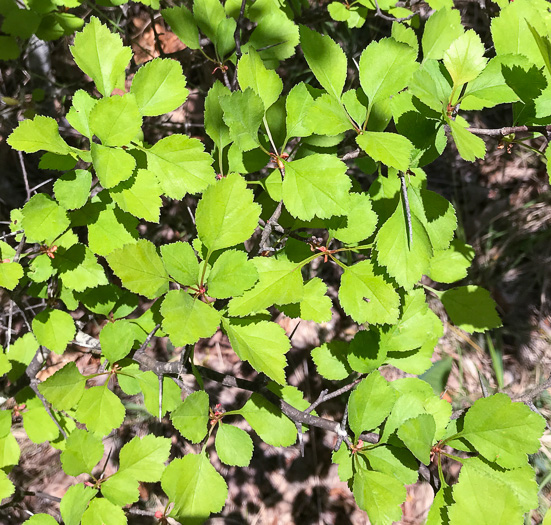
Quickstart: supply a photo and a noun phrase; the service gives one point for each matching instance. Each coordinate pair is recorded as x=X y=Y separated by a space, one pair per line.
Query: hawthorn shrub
x=284 y=159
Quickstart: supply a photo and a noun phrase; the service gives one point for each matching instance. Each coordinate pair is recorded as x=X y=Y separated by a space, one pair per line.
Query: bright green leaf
x=112 y=165
x=43 y=219
x=359 y=223
x=41 y=133
x=72 y=189
x=10 y=274
x=78 y=268
x=391 y=149
x=441 y=29
x=243 y=275
x=417 y=434
x=117 y=339
x=464 y=59
x=82 y=453
x=183 y=25
x=102 y=511
x=64 y=388
x=54 y=329
x=100 y=410
x=470 y=146
x=181 y=262
x=192 y=416
x=74 y=503
x=233 y=445
x=140 y=195
x=243 y=113
x=79 y=114
x=143 y=458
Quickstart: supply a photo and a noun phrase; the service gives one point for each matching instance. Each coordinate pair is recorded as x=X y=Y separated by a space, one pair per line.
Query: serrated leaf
x=101 y=55
x=464 y=59
x=9 y=451
x=316 y=185
x=297 y=105
x=394 y=461
x=116 y=120
x=140 y=195
x=101 y=511
x=275 y=34
x=370 y=403
x=39 y=519
x=441 y=29
x=195 y=487
x=181 y=262
x=404 y=261
x=391 y=149
x=386 y=67
x=359 y=223
x=183 y=25
x=279 y=282
x=41 y=133
x=273 y=427
x=343 y=457
x=233 y=445
x=180 y=165
x=78 y=268
x=116 y=340
x=251 y=72
x=37 y=423
x=208 y=14
x=64 y=388
x=326 y=60
x=121 y=489
x=7 y=488
x=417 y=434
x=366 y=352
x=43 y=219
x=235 y=264
x=431 y=85
x=187 y=319
x=10 y=274
x=502 y=431
x=143 y=458
x=192 y=416
x=109 y=229
x=79 y=114
x=215 y=127
x=315 y=305
x=471 y=308
x=470 y=146
x=380 y=495
x=243 y=113
x=72 y=189
x=327 y=116
x=112 y=165
x=54 y=329
x=226 y=214
x=159 y=87
x=451 y=265
x=262 y=343
x=74 y=503
x=140 y=268
x=367 y=297
x=148 y=384
x=82 y=453
x=100 y=410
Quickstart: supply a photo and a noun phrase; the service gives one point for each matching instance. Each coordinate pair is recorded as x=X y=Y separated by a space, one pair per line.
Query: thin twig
x=158 y=43
x=407 y=208
x=272 y=221
x=502 y=132
x=342 y=434
x=24 y=173
x=237 y=38
x=34 y=386
x=380 y=14
x=354 y=154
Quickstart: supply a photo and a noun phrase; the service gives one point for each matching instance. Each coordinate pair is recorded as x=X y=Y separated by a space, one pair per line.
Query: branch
x=237 y=38
x=380 y=14
x=354 y=154
x=502 y=132
x=270 y=224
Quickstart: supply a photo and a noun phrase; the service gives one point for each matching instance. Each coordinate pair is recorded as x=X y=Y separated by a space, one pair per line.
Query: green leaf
x=366 y=352
x=262 y=343
x=112 y=165
x=326 y=60
x=72 y=189
x=20 y=354
x=109 y=229
x=370 y=403
x=297 y=106
x=343 y=457
x=243 y=113
x=441 y=29
x=64 y=388
x=503 y=431
x=233 y=445
x=82 y=453
x=9 y=50
x=406 y=263
x=101 y=55
x=140 y=268
x=10 y=274
x=38 y=519
x=183 y=25
x=470 y=146
x=279 y=282
x=391 y=149
x=406 y=35
x=101 y=511
x=327 y=116
x=473 y=492
x=367 y=297
x=79 y=114
x=116 y=120
x=451 y=265
x=275 y=34
x=315 y=305
x=117 y=339
x=431 y=85
x=471 y=308
x=464 y=59
x=417 y=434
x=54 y=329
x=195 y=487
x=180 y=165
x=143 y=458
x=251 y=72
x=9 y=451
x=359 y=223
x=208 y=14
x=386 y=67
x=380 y=495
x=181 y=262
x=226 y=214
x=43 y=219
x=78 y=268
x=37 y=423
x=21 y=22
x=187 y=319
x=316 y=185
x=273 y=427
x=53 y=161
x=121 y=489
x=100 y=410
x=192 y=416
x=243 y=275
x=214 y=123
x=159 y=87
x=41 y=133
x=140 y=195
x=394 y=461
x=74 y=503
